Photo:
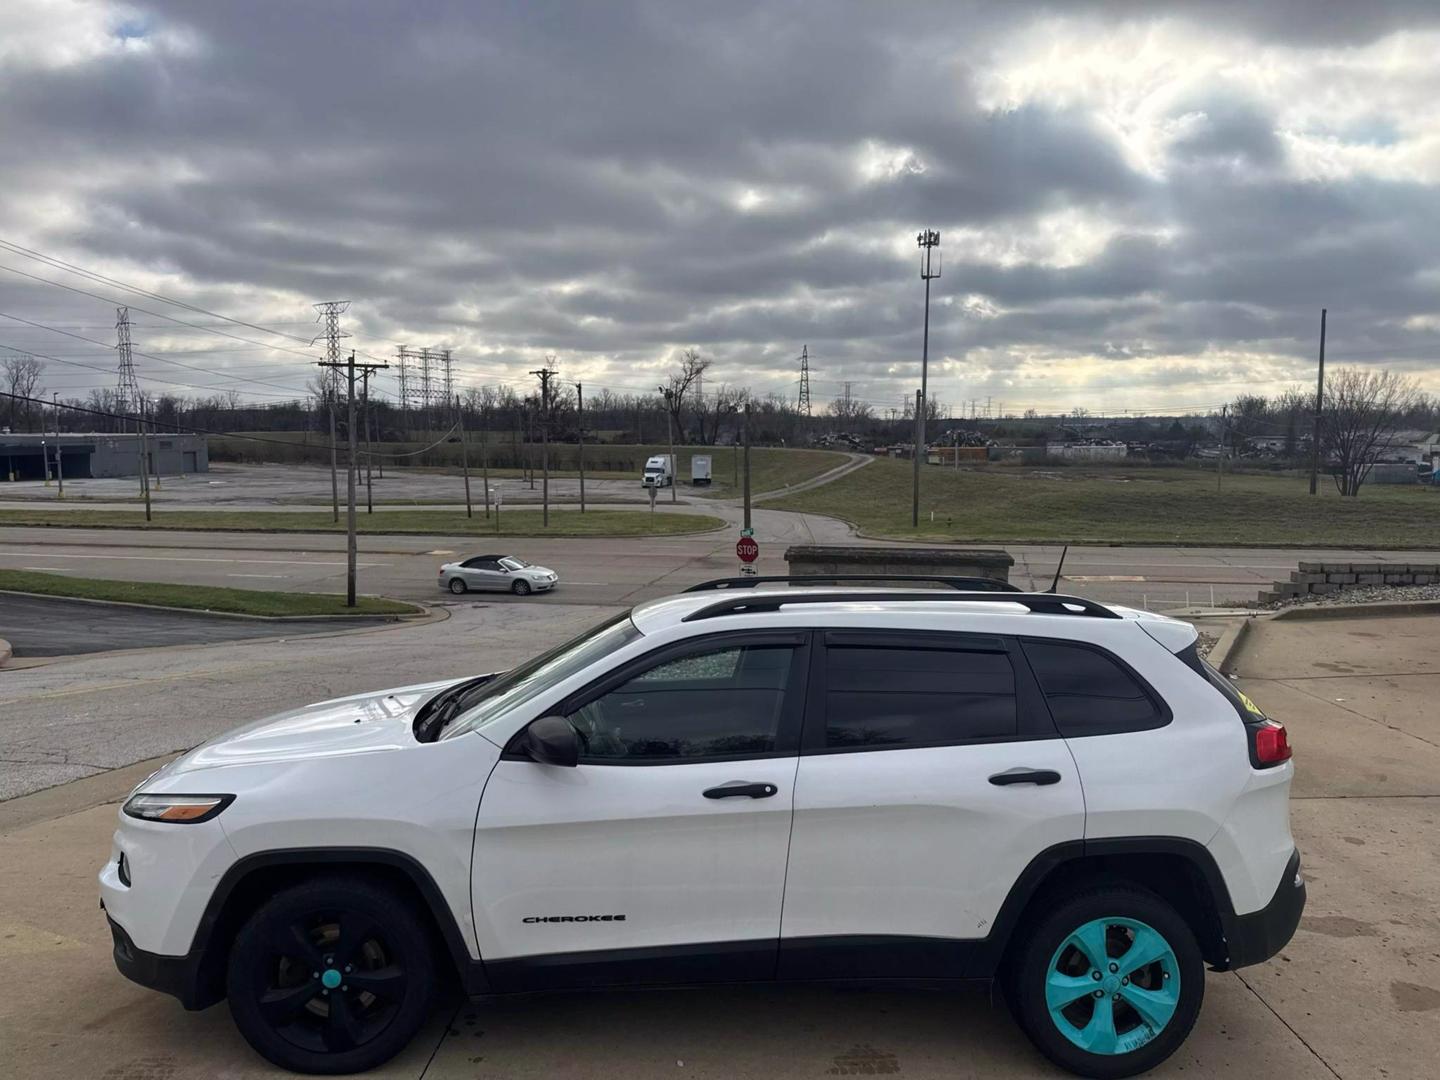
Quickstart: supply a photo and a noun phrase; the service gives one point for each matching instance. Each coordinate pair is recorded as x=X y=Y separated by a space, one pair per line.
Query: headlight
x=178 y=809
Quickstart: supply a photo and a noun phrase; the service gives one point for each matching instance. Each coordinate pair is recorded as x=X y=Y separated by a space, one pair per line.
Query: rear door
x=930 y=776
x=661 y=856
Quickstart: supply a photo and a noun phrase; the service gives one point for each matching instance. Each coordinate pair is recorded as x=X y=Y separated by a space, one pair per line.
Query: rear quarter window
x=1090 y=692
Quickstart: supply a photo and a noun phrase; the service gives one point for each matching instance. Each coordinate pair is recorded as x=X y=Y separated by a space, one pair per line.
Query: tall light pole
x=928 y=240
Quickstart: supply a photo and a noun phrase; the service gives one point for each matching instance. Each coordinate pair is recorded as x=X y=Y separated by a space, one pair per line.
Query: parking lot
x=1356 y=994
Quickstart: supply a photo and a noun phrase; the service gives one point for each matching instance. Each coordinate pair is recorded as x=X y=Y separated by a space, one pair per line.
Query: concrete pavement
x=1355 y=995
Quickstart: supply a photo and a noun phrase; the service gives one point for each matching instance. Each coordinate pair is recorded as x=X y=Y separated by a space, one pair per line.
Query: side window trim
x=1032 y=716
x=1156 y=699
x=787 y=737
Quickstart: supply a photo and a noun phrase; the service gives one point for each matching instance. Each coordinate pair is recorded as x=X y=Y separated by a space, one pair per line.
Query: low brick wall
x=1329 y=577
x=945 y=562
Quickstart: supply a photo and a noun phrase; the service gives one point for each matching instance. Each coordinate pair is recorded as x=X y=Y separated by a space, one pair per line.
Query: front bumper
x=178 y=976
x=1256 y=937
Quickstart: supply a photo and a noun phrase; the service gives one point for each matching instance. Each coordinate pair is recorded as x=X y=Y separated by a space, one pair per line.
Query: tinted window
x=885 y=698
x=1090 y=693
x=720 y=703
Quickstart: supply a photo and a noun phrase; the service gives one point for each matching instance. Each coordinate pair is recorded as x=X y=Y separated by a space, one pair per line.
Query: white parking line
x=272 y=576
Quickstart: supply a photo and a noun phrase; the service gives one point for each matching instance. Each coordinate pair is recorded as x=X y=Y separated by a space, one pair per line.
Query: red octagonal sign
x=747 y=549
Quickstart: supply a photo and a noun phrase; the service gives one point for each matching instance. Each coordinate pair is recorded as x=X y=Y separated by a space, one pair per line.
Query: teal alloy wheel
x=1112 y=985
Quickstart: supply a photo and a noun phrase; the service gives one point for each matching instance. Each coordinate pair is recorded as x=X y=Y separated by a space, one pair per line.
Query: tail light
x=1269 y=744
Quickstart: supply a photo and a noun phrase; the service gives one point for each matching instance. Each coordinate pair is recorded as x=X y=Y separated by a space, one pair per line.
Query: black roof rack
x=962 y=584
x=1041 y=603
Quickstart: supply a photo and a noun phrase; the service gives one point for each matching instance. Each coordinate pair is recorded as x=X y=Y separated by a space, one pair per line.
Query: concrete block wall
x=1319 y=578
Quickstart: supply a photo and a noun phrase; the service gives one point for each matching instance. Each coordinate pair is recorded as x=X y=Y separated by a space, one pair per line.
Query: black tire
x=521 y=588
x=458 y=586
x=1045 y=949
x=350 y=930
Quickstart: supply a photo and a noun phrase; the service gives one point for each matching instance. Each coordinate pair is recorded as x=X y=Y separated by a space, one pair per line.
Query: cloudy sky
x=1142 y=205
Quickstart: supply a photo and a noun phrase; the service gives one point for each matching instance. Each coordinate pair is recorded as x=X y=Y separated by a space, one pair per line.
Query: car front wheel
x=332 y=976
x=457 y=586
x=521 y=588
x=1109 y=983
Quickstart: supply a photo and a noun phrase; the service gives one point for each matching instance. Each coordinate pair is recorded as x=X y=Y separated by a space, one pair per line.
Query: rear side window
x=1090 y=692
x=887 y=698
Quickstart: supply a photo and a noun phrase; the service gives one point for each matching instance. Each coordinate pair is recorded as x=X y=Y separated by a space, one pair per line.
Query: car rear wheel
x=333 y=976
x=457 y=586
x=1109 y=983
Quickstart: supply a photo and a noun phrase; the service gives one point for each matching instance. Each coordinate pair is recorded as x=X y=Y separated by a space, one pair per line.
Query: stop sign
x=747 y=549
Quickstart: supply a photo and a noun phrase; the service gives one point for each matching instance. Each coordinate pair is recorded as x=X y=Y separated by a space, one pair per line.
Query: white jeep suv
x=735 y=784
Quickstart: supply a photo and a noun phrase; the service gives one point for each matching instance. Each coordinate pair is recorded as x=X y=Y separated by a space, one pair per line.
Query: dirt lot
x=1356 y=994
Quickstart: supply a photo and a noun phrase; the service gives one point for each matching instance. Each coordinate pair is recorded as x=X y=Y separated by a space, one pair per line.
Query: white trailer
x=700 y=469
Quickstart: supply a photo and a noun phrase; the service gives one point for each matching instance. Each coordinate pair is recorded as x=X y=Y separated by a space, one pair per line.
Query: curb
x=1228 y=647
x=5 y=652
x=1359 y=611
x=420 y=613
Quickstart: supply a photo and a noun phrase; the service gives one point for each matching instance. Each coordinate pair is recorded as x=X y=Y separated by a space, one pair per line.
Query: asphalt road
x=49 y=626
x=623 y=571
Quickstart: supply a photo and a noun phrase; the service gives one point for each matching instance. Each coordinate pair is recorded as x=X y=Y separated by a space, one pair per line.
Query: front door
x=485 y=575
x=930 y=775
x=661 y=856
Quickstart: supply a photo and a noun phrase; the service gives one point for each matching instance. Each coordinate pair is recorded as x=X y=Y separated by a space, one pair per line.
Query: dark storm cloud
x=612 y=182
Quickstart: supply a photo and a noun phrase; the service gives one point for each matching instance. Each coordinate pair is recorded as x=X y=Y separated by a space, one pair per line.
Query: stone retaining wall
x=1329 y=577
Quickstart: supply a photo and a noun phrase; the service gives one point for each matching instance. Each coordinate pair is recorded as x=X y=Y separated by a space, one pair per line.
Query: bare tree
x=21 y=373
x=692 y=367
x=1360 y=412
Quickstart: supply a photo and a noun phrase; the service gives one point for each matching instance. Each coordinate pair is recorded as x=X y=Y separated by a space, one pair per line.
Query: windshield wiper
x=444 y=707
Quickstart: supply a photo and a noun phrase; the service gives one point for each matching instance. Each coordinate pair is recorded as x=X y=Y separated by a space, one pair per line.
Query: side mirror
x=552 y=740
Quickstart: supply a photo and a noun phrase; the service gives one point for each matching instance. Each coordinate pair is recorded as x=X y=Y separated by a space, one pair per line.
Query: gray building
x=96 y=455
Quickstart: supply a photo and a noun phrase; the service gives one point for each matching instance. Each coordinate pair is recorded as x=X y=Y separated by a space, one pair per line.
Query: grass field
x=1139 y=505
x=200 y=597
x=448 y=522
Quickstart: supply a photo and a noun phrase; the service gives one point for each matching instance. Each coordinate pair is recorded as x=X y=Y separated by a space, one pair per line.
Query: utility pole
x=59 y=462
x=928 y=240
x=329 y=312
x=1224 y=431
x=369 y=446
x=544 y=374
x=464 y=454
x=580 y=421
x=670 y=435
x=1319 y=410
x=144 y=466
x=745 y=435
x=485 y=454
x=350 y=466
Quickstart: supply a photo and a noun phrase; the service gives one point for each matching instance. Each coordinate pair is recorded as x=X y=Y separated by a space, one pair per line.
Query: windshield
x=522 y=684
x=510 y=562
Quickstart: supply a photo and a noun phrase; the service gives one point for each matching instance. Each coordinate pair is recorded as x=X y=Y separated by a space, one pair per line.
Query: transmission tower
x=447 y=377
x=127 y=390
x=329 y=314
x=803 y=404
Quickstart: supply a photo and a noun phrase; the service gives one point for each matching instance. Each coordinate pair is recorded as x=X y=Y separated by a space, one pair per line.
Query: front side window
x=891 y=697
x=512 y=563
x=1089 y=692
x=724 y=702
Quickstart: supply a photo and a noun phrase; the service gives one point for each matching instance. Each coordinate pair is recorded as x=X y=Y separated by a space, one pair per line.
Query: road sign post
x=748 y=551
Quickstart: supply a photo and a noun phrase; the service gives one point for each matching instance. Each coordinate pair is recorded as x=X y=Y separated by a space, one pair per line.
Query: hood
x=361 y=724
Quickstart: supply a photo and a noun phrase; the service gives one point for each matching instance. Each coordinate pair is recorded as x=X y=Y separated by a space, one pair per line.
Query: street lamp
x=928 y=240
